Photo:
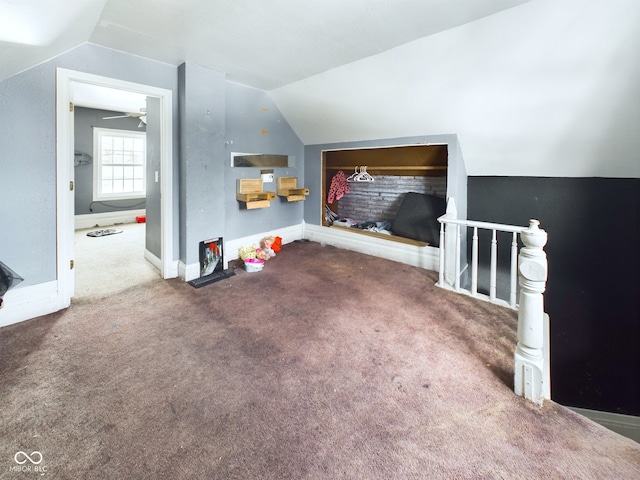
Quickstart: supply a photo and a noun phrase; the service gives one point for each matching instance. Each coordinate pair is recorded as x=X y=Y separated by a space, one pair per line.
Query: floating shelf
x=249 y=191
x=288 y=187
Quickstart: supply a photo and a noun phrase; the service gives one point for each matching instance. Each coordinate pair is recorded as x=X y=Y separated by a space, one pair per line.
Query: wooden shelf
x=249 y=191
x=288 y=187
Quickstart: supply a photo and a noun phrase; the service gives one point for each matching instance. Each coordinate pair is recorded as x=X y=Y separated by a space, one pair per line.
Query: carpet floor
x=328 y=364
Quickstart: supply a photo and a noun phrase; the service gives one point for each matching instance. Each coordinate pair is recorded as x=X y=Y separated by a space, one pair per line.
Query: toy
x=277 y=244
x=266 y=245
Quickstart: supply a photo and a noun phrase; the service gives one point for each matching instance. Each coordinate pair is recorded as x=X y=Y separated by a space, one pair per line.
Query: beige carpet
x=111 y=264
x=328 y=364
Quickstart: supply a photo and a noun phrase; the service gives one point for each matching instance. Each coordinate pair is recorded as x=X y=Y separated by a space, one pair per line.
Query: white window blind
x=119 y=164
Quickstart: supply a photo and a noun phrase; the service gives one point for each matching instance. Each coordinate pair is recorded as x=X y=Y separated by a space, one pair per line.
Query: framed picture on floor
x=211 y=259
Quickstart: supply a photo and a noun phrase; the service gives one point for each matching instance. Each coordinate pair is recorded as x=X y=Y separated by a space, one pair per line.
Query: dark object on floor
x=8 y=279
x=417 y=217
x=103 y=233
x=214 y=277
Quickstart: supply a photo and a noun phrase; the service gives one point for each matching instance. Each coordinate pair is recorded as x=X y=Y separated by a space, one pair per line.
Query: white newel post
x=531 y=375
x=450 y=240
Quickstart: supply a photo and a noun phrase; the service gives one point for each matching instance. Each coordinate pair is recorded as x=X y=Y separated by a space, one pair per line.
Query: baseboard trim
x=626 y=425
x=24 y=303
x=288 y=235
x=91 y=220
x=152 y=259
x=419 y=256
x=189 y=272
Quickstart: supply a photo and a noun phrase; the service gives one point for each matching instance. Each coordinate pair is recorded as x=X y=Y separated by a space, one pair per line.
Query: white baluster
x=450 y=241
x=442 y=257
x=457 y=284
x=494 y=266
x=514 y=269
x=531 y=378
x=474 y=262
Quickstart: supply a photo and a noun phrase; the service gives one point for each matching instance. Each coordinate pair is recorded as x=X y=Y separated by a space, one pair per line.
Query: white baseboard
x=424 y=257
x=230 y=248
x=288 y=235
x=91 y=220
x=189 y=272
x=24 y=303
x=152 y=259
x=626 y=425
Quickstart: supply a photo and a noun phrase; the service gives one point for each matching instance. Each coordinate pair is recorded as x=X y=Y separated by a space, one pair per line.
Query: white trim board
x=90 y=220
x=25 y=303
x=626 y=425
x=423 y=257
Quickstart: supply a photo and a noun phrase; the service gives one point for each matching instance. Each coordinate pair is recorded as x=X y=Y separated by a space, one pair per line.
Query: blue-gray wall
x=255 y=125
x=28 y=151
x=84 y=121
x=203 y=180
x=153 y=227
x=202 y=104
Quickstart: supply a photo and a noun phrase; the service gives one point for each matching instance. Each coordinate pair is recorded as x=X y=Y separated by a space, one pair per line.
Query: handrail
x=529 y=267
x=474 y=223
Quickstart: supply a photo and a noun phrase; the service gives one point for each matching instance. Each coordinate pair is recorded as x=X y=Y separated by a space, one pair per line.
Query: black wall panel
x=593 y=285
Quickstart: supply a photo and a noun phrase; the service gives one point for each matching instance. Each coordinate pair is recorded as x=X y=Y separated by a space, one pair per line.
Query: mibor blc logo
x=28 y=462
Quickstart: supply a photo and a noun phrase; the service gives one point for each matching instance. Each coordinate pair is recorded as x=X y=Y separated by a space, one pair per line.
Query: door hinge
x=71 y=185
x=71 y=106
x=71 y=264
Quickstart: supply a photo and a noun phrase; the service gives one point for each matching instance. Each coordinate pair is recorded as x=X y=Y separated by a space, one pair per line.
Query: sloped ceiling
x=263 y=44
x=550 y=89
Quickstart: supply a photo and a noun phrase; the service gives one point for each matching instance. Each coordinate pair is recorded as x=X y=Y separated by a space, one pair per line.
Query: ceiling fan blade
x=116 y=116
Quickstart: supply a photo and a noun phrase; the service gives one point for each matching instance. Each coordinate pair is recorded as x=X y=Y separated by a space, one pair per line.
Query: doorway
x=67 y=80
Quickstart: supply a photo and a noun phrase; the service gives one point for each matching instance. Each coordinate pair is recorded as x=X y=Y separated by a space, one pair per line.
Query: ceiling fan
x=142 y=115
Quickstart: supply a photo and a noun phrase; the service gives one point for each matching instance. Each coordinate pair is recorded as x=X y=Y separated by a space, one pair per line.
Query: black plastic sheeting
x=8 y=279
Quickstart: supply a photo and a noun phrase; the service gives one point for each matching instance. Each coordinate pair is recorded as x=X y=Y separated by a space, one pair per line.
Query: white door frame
x=64 y=170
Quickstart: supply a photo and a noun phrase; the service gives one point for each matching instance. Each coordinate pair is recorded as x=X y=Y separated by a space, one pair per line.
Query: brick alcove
x=396 y=169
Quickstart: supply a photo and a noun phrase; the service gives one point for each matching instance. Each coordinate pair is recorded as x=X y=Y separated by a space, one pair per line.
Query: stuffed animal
x=277 y=244
x=262 y=254
x=266 y=245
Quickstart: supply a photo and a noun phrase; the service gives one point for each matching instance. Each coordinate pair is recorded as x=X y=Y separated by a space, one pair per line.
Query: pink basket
x=253 y=264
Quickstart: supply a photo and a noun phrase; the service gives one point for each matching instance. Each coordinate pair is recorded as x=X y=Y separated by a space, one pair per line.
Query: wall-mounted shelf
x=288 y=187
x=249 y=191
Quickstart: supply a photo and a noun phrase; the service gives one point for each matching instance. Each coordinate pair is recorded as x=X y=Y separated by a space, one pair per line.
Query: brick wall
x=379 y=200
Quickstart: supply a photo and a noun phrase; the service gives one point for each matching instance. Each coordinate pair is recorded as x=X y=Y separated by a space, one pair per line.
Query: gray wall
x=28 y=152
x=202 y=110
x=84 y=120
x=203 y=181
x=153 y=227
x=255 y=125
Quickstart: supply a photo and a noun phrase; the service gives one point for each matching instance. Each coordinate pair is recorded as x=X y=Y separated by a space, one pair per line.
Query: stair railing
x=532 y=378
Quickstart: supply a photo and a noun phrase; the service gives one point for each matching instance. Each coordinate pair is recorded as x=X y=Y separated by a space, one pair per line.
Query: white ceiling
x=103 y=98
x=263 y=44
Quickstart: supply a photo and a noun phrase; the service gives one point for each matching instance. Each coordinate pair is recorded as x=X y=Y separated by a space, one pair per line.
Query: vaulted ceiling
x=257 y=43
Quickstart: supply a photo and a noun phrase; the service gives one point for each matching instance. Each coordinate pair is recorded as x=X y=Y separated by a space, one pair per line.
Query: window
x=119 y=164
